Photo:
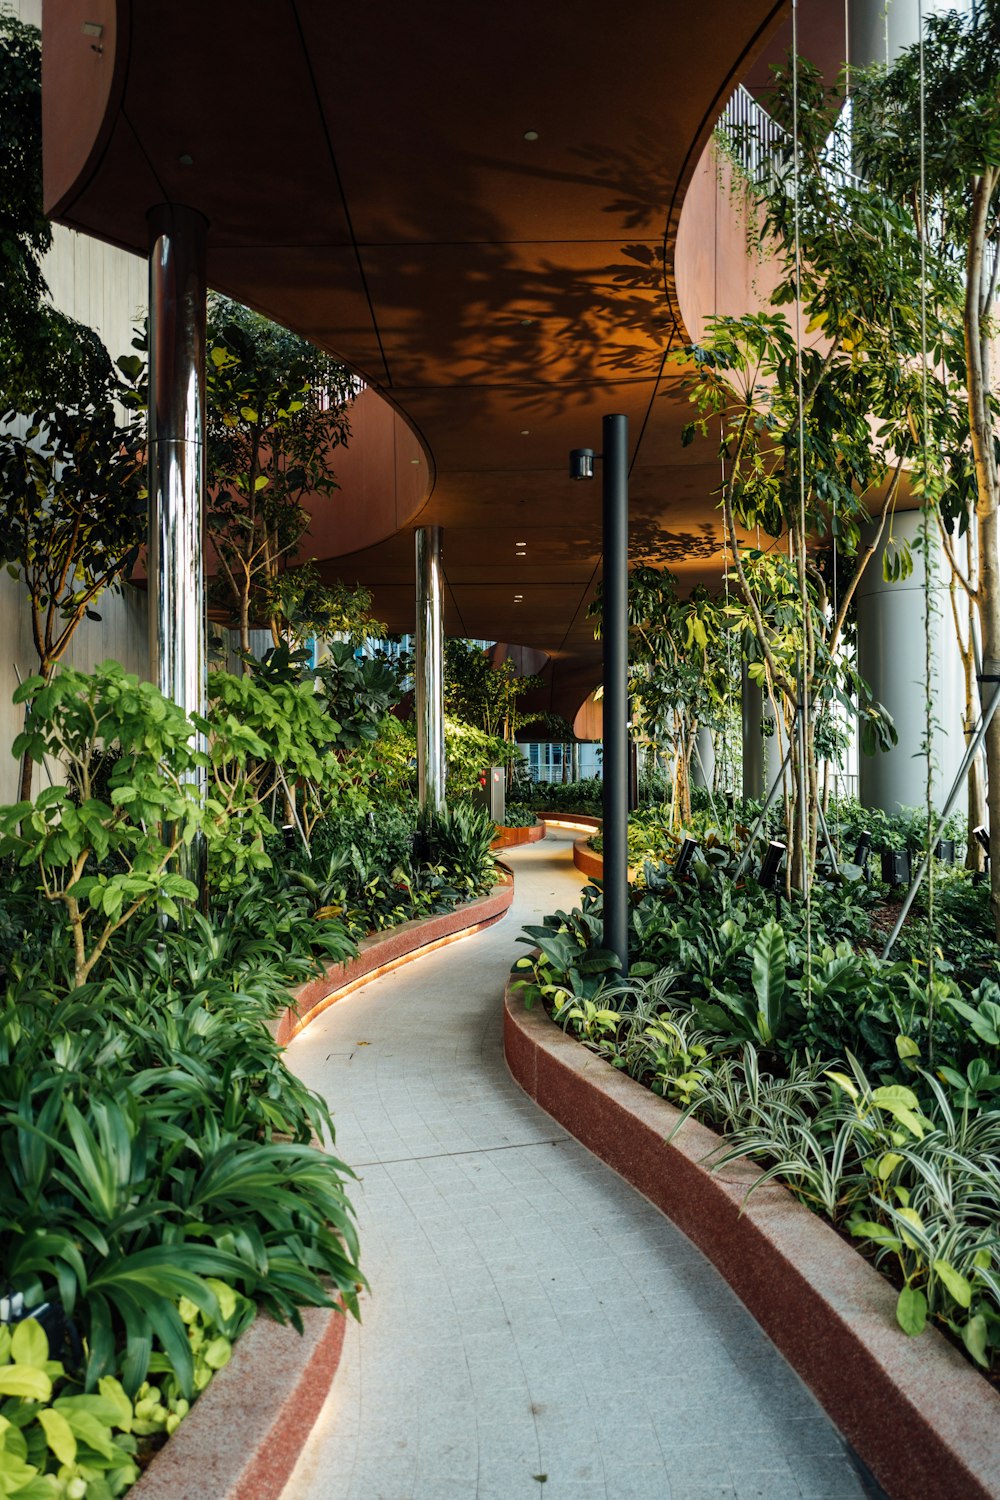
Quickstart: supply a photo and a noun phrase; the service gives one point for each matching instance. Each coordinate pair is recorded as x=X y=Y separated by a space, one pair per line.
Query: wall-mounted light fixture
x=581 y=463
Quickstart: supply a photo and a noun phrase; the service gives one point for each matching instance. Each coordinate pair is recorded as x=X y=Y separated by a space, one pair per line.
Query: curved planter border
x=921 y=1418
x=587 y=860
x=584 y=821
x=387 y=950
x=510 y=838
x=242 y=1438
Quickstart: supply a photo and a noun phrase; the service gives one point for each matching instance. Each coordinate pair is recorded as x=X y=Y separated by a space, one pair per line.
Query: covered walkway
x=535 y=1328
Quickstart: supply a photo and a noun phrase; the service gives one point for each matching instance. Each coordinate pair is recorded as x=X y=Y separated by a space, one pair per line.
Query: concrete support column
x=878 y=30
x=177 y=310
x=891 y=660
x=429 y=671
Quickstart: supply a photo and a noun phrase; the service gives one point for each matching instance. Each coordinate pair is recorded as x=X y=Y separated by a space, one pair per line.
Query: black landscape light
x=945 y=851
x=982 y=838
x=771 y=864
x=685 y=855
x=896 y=866
x=862 y=850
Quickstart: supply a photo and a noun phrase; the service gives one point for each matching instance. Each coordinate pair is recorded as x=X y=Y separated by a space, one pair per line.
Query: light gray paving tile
x=582 y=1288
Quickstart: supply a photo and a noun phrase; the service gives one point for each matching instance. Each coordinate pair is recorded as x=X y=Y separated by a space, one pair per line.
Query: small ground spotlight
x=862 y=850
x=685 y=855
x=771 y=863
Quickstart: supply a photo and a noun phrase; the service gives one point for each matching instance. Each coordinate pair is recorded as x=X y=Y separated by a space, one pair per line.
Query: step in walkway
x=535 y=1328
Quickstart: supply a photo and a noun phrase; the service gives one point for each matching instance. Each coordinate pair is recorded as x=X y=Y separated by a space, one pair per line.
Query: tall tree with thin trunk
x=277 y=411
x=72 y=520
x=927 y=132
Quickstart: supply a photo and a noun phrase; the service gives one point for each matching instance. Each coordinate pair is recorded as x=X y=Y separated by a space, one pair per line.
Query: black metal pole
x=615 y=634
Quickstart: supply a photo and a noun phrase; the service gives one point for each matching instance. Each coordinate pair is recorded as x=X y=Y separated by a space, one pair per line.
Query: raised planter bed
x=387 y=950
x=509 y=838
x=570 y=820
x=587 y=860
x=242 y=1438
x=919 y=1415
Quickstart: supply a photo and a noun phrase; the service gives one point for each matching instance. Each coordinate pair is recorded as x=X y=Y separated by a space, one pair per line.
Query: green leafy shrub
x=568 y=797
x=519 y=815
x=103 y=862
x=79 y=1446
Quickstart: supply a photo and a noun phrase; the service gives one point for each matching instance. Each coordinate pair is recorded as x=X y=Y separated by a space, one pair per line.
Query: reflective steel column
x=430 y=668
x=177 y=291
x=616 y=712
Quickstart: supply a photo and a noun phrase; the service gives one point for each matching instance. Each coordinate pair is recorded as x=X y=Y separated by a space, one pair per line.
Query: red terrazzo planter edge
x=387 y=950
x=510 y=838
x=916 y=1411
x=242 y=1438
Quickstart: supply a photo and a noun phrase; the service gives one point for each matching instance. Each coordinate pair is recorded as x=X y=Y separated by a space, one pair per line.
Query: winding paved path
x=535 y=1328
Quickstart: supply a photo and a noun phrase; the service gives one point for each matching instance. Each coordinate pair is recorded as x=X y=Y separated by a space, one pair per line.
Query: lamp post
x=615 y=638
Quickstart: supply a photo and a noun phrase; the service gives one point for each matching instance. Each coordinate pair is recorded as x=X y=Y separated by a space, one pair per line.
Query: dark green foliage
x=45 y=356
x=152 y=1137
x=567 y=797
x=359 y=692
x=519 y=815
x=376 y=868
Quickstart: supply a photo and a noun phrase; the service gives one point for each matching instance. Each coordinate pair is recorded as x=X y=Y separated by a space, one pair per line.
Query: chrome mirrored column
x=177 y=310
x=430 y=668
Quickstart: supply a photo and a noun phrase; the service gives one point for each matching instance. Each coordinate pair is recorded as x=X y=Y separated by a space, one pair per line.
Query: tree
x=277 y=410
x=943 y=180
x=72 y=520
x=678 y=678
x=479 y=693
x=45 y=356
x=824 y=415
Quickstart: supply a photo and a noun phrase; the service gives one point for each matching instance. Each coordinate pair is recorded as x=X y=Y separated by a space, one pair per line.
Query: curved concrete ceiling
x=475 y=206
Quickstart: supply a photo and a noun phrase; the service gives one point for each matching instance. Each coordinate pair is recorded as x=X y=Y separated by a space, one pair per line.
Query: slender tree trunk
x=245 y=623
x=988 y=499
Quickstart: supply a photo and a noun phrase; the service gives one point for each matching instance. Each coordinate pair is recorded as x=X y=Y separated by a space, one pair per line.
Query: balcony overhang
x=475 y=207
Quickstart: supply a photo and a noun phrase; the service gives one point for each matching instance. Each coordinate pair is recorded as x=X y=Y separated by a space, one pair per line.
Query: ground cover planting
x=164 y=1177
x=876 y=1103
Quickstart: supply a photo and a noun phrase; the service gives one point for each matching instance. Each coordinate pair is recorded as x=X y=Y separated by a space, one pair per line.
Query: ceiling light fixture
x=185 y=160
x=531 y=135
x=525 y=431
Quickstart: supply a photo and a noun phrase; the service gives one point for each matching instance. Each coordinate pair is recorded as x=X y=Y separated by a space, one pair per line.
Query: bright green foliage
x=78 y=1446
x=680 y=670
x=469 y=752
x=151 y=1139
x=303 y=607
x=105 y=861
x=482 y=695
x=267 y=739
